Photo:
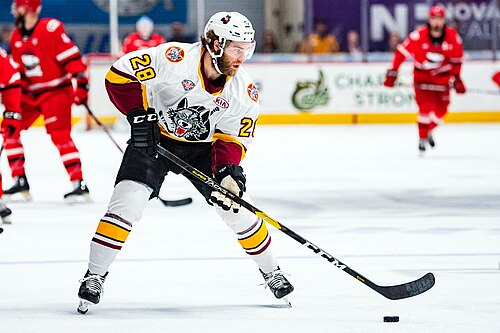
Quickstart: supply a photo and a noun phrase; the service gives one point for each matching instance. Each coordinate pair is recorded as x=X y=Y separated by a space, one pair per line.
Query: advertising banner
x=357 y=88
x=474 y=19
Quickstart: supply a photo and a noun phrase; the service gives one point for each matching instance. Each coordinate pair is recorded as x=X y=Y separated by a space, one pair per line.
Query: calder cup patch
x=174 y=54
x=253 y=93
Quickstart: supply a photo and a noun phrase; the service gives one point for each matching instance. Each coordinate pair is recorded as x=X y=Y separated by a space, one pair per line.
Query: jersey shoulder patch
x=53 y=25
x=415 y=35
x=174 y=54
x=253 y=92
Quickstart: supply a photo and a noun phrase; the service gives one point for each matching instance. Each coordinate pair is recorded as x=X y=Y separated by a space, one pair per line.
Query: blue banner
x=87 y=21
x=96 y=11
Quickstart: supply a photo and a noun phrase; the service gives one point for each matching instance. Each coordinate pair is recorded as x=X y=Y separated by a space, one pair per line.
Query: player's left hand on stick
x=459 y=85
x=11 y=124
x=82 y=89
x=231 y=177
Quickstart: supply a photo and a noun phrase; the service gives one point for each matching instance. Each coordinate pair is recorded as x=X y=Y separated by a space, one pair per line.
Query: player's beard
x=19 y=21
x=437 y=29
x=226 y=66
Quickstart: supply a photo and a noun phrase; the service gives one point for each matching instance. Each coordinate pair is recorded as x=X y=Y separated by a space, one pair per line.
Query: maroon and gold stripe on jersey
x=125 y=91
x=255 y=239
x=112 y=231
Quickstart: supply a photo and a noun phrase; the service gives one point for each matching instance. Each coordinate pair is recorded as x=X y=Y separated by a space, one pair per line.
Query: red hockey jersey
x=10 y=83
x=134 y=42
x=434 y=62
x=48 y=59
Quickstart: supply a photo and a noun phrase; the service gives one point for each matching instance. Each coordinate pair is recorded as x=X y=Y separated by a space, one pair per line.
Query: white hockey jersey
x=172 y=84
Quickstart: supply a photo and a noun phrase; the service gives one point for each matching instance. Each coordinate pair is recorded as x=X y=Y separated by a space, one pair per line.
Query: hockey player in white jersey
x=196 y=101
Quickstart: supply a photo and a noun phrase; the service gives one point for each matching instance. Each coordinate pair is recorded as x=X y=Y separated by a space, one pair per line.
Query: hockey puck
x=391 y=319
x=1 y=230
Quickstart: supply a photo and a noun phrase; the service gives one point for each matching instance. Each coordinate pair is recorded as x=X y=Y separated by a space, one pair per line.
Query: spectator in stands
x=353 y=46
x=178 y=34
x=320 y=41
x=5 y=38
x=269 y=44
x=143 y=37
x=394 y=40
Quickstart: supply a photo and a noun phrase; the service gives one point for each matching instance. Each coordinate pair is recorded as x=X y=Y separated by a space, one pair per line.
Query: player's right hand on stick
x=231 y=177
x=390 y=78
x=11 y=124
x=144 y=131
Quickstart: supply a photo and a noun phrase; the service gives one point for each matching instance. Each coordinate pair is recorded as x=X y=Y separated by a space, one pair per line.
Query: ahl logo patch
x=220 y=101
x=253 y=93
x=174 y=54
x=187 y=84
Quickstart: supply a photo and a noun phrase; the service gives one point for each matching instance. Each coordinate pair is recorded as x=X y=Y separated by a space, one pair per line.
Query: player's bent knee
x=129 y=200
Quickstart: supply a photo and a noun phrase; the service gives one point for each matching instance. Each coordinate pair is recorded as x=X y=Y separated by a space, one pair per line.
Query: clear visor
x=240 y=50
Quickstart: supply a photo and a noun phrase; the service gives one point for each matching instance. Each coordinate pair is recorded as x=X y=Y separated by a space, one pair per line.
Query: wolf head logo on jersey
x=189 y=122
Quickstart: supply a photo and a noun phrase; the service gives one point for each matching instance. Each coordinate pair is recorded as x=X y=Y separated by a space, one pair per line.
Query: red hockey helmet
x=437 y=11
x=32 y=6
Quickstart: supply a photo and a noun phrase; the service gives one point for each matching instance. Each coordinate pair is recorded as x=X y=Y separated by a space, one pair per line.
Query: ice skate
x=80 y=193
x=278 y=284
x=20 y=191
x=5 y=213
x=90 y=291
x=430 y=139
x=421 y=146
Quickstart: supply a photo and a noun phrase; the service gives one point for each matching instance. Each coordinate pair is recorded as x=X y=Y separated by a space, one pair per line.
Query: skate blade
x=287 y=301
x=76 y=198
x=83 y=306
x=24 y=196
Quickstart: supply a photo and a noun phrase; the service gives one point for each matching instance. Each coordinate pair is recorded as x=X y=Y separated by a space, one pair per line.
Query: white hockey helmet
x=231 y=26
x=144 y=27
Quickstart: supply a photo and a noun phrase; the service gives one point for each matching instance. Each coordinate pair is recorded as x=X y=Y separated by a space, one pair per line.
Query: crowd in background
x=320 y=41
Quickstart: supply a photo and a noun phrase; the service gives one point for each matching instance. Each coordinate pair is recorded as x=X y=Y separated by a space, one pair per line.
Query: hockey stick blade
x=176 y=203
x=409 y=289
x=396 y=292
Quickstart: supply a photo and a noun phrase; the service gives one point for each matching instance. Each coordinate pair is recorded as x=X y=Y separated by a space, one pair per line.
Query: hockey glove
x=82 y=89
x=390 y=78
x=458 y=85
x=231 y=177
x=496 y=78
x=11 y=124
x=144 y=131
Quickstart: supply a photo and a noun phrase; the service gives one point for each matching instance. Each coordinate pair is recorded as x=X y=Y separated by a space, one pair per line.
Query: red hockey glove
x=390 y=78
x=82 y=90
x=458 y=85
x=11 y=124
x=496 y=78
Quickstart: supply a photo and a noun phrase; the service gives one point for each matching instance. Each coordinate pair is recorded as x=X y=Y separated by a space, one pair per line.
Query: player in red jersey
x=10 y=91
x=437 y=52
x=49 y=62
x=143 y=38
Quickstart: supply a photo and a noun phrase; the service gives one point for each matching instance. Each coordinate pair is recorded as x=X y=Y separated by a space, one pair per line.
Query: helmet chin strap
x=215 y=57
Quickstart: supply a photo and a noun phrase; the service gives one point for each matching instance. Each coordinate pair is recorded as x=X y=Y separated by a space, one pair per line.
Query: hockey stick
x=392 y=292
x=434 y=87
x=168 y=203
x=104 y=128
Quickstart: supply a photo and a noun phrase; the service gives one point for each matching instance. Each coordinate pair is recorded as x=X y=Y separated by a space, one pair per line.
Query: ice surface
x=362 y=193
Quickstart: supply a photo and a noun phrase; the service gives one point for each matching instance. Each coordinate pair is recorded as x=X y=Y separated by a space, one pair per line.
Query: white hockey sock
x=252 y=235
x=126 y=206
